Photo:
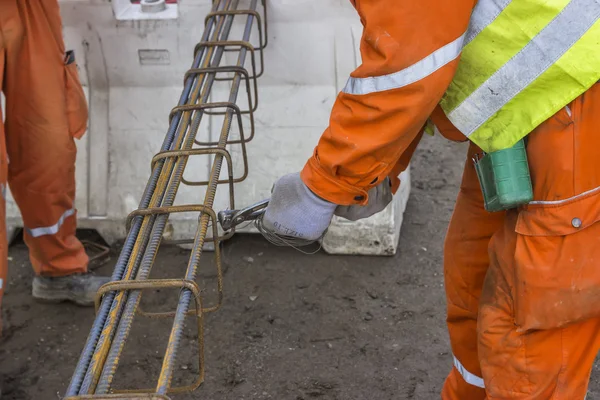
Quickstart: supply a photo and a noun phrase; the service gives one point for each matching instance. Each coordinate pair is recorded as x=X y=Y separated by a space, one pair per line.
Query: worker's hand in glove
x=379 y=197
x=295 y=211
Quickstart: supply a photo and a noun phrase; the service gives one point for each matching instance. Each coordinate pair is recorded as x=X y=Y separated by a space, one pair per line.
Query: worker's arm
x=410 y=52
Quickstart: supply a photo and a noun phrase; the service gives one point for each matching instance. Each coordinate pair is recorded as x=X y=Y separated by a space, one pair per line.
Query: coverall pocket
x=77 y=110
x=557 y=262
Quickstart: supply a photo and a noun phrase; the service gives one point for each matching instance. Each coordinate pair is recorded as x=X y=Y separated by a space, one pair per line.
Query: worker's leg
x=3 y=173
x=41 y=149
x=539 y=313
x=532 y=365
x=465 y=265
x=45 y=110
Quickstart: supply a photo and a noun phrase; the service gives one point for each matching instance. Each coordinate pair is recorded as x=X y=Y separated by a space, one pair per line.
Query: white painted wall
x=312 y=49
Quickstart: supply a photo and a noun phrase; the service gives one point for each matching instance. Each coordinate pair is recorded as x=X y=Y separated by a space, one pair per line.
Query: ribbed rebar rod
x=166 y=374
x=99 y=360
x=126 y=321
x=151 y=235
x=132 y=236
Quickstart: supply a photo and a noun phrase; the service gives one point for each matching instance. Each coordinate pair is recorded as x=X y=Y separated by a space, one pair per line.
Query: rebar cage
x=118 y=302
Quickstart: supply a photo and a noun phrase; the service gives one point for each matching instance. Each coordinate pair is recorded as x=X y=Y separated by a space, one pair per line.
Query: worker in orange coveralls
x=45 y=110
x=522 y=285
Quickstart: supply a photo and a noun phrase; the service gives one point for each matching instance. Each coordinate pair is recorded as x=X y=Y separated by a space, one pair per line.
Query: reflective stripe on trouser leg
x=52 y=229
x=537 y=364
x=57 y=254
x=532 y=346
x=470 y=378
x=42 y=155
x=466 y=262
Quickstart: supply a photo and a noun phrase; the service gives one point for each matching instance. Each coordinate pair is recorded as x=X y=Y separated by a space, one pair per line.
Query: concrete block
x=374 y=236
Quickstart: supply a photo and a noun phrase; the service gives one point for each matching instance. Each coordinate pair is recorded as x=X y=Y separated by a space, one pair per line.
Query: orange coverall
x=45 y=110
x=523 y=286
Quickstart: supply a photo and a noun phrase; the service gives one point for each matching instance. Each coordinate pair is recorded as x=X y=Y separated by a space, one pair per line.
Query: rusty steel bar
x=119 y=301
x=166 y=374
x=105 y=376
x=87 y=354
x=144 y=250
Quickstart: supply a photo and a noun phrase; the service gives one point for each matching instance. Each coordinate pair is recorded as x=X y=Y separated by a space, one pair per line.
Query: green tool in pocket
x=504 y=178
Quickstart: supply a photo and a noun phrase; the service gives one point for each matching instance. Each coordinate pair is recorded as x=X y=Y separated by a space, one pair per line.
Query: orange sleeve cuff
x=341 y=193
x=329 y=188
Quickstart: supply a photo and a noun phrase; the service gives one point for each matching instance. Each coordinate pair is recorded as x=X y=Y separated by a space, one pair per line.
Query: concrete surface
x=293 y=326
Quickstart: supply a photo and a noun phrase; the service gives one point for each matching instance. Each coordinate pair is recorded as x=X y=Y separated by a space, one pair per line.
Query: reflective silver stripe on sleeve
x=470 y=378
x=3 y=188
x=526 y=66
x=50 y=230
x=419 y=70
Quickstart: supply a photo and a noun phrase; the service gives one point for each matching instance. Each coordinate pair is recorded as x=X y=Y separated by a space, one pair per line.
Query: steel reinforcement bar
x=118 y=302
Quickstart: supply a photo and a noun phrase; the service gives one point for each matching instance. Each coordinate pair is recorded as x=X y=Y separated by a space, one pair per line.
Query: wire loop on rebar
x=242 y=44
x=198 y=313
x=253 y=104
x=262 y=39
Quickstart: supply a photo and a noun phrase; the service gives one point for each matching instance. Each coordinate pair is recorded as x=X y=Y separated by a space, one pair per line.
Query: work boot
x=79 y=288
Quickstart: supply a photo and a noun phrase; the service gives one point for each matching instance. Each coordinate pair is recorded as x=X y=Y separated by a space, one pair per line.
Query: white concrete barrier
x=132 y=66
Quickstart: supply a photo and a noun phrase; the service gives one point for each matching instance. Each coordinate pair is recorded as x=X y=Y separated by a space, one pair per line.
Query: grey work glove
x=297 y=212
x=379 y=197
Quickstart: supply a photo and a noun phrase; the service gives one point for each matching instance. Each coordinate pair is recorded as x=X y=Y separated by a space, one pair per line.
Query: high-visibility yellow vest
x=522 y=61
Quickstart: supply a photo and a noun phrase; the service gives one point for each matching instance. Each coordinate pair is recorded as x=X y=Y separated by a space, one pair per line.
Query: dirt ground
x=292 y=326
